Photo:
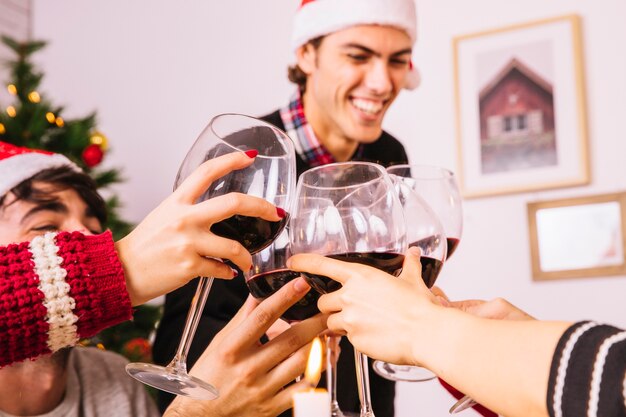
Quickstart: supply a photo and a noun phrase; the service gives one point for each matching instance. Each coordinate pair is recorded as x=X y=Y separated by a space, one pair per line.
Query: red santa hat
x=18 y=164
x=316 y=18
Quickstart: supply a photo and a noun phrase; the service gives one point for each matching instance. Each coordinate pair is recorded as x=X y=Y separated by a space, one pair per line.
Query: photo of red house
x=517 y=129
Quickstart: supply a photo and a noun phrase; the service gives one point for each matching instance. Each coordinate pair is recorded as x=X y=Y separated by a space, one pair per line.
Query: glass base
x=172 y=381
x=402 y=372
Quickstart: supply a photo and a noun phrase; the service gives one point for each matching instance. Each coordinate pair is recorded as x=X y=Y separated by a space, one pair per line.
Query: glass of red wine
x=349 y=211
x=269 y=273
x=424 y=230
x=271 y=176
x=438 y=187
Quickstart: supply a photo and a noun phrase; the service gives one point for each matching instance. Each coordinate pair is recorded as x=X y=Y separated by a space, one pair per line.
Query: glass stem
x=332 y=343
x=179 y=362
x=363 y=382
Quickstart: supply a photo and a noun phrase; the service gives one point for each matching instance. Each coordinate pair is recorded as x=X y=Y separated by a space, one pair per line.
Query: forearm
x=56 y=290
x=504 y=365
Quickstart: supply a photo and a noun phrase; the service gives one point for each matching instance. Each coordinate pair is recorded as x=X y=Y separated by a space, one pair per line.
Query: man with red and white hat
x=353 y=58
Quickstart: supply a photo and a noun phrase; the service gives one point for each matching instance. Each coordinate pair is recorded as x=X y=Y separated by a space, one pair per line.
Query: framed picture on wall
x=578 y=237
x=520 y=109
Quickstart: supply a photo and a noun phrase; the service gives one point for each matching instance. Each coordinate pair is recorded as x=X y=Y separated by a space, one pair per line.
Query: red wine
x=265 y=284
x=431 y=268
x=254 y=233
x=385 y=261
x=452 y=245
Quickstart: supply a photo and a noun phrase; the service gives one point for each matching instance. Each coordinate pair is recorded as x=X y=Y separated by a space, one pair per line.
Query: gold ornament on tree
x=98 y=138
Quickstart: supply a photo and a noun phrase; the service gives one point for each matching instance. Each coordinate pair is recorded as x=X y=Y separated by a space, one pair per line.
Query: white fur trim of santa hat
x=317 y=18
x=18 y=164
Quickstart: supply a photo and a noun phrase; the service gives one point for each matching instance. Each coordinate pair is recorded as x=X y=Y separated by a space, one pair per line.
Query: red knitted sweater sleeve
x=57 y=289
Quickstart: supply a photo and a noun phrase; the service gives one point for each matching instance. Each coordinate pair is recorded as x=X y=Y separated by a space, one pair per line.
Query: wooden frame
x=578 y=237
x=520 y=109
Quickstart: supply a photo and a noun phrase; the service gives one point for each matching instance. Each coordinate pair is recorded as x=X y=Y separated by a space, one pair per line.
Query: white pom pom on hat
x=316 y=18
x=18 y=164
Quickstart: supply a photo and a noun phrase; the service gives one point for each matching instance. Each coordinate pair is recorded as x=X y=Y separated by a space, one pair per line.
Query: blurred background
x=156 y=71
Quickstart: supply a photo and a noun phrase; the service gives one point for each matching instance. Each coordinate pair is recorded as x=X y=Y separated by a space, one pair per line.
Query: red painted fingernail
x=281 y=213
x=252 y=153
x=235 y=272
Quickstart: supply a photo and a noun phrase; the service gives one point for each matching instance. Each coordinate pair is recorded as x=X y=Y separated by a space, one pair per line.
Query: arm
x=56 y=289
x=62 y=287
x=405 y=324
x=253 y=378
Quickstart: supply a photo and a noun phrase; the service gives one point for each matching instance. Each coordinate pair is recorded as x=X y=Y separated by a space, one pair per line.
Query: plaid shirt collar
x=305 y=141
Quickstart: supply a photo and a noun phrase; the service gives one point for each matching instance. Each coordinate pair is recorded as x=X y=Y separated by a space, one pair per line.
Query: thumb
x=412 y=268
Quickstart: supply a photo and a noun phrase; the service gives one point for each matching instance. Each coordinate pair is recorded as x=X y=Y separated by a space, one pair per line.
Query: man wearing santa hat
x=353 y=58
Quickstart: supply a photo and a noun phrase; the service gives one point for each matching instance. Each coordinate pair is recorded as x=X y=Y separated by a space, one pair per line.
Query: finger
x=336 y=324
x=412 y=268
x=300 y=334
x=199 y=180
x=317 y=264
x=227 y=205
x=289 y=369
x=330 y=303
x=243 y=313
x=215 y=246
x=267 y=312
x=213 y=268
x=439 y=292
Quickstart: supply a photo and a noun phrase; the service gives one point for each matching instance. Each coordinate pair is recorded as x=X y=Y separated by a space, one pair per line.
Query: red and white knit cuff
x=57 y=289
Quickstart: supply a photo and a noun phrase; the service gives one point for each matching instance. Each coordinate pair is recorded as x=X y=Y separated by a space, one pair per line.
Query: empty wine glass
x=423 y=230
x=349 y=211
x=271 y=176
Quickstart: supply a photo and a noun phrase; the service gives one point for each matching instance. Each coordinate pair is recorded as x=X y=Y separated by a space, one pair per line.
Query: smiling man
x=353 y=58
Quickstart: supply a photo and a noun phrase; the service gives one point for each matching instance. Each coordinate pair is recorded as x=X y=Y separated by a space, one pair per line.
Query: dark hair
x=295 y=73
x=61 y=178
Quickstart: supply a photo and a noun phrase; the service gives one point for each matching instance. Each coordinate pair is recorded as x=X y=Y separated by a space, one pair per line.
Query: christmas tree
x=33 y=121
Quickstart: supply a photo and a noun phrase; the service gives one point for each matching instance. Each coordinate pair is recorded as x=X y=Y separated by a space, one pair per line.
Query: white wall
x=157 y=70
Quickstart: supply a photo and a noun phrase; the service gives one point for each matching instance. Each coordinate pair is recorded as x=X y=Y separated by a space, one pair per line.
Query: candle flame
x=314 y=364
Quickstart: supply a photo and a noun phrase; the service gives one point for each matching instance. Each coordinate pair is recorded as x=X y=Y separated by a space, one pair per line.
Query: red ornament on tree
x=92 y=155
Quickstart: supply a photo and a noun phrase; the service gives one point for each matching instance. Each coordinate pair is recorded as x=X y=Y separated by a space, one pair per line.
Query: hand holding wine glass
x=271 y=177
x=170 y=246
x=425 y=232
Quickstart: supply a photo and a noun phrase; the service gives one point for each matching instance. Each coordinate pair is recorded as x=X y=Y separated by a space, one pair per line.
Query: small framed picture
x=578 y=237
x=520 y=108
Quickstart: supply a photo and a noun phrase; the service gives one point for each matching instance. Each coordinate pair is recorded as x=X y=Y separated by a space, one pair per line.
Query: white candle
x=313 y=403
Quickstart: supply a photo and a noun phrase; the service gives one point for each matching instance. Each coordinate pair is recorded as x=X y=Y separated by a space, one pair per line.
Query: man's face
x=353 y=77
x=21 y=221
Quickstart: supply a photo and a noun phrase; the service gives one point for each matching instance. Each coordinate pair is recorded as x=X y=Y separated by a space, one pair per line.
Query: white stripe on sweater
x=598 y=367
x=562 y=370
x=58 y=302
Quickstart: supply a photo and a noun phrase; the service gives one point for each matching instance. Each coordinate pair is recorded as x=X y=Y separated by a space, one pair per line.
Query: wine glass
x=269 y=273
x=438 y=187
x=349 y=211
x=271 y=176
x=424 y=230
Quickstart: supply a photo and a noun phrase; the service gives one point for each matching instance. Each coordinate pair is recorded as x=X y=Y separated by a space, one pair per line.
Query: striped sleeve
x=56 y=289
x=588 y=372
